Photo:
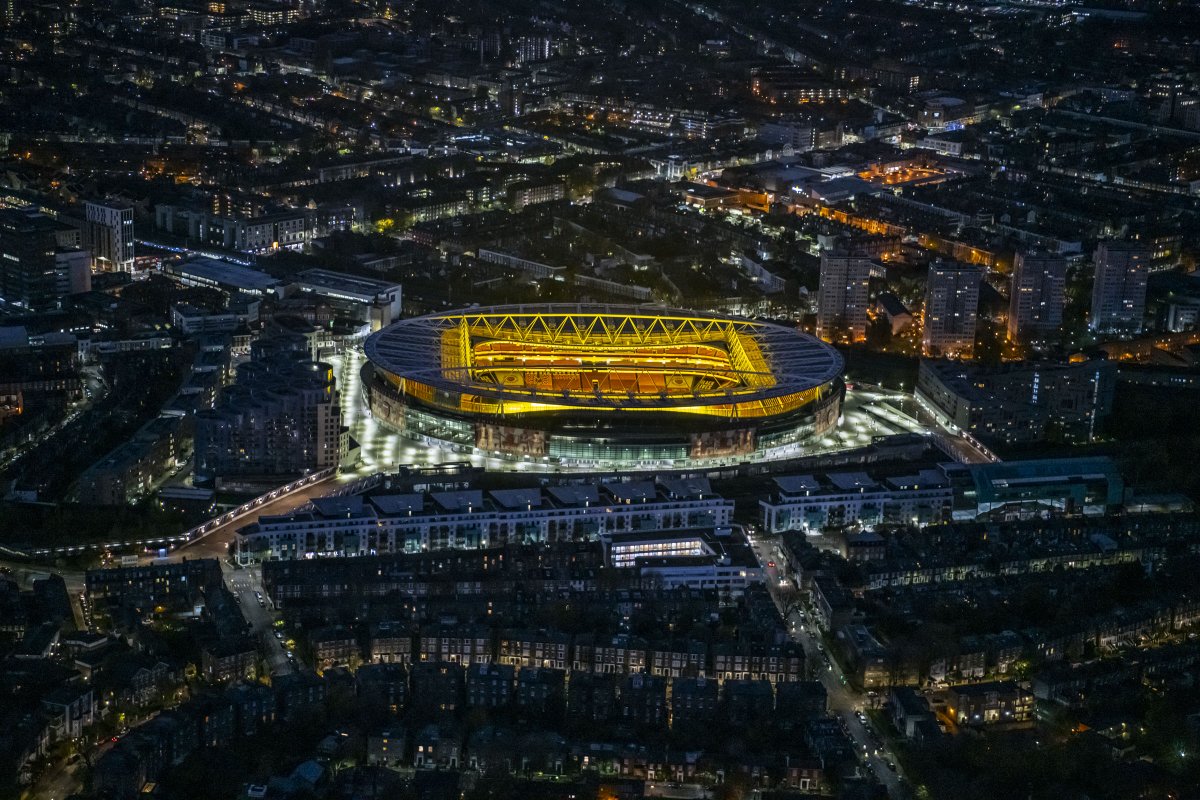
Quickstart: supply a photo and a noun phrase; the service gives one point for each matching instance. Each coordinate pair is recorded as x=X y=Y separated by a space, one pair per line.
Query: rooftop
x=216 y=272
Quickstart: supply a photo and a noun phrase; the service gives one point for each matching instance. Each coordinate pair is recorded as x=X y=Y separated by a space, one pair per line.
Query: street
x=246 y=585
x=215 y=543
x=844 y=701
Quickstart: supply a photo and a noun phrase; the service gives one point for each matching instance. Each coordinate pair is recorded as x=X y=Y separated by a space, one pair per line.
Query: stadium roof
x=602 y=357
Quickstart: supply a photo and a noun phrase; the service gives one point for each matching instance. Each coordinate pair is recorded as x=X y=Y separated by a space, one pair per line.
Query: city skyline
x=701 y=400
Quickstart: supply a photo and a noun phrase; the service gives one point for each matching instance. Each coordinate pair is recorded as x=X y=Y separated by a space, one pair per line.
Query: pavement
x=382 y=449
x=844 y=701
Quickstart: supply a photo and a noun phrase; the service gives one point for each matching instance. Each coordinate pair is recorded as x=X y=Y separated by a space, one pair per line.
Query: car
x=771 y=564
x=891 y=765
x=279 y=635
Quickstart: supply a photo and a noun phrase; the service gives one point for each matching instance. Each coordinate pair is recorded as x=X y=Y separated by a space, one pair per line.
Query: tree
x=879 y=333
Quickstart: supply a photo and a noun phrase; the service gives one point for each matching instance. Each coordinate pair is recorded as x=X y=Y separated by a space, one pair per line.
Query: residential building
x=254 y=706
x=533 y=649
x=282 y=417
x=694 y=701
x=437 y=686
x=490 y=685
x=71 y=710
x=910 y=711
x=333 y=646
x=1119 y=288
x=35 y=271
x=230 y=659
x=1035 y=308
x=748 y=701
x=178 y=585
x=438 y=746
x=993 y=703
x=456 y=644
x=843 y=297
x=686 y=659
x=108 y=234
x=592 y=697
x=1028 y=401
x=617 y=655
x=760 y=662
x=801 y=700
x=298 y=693
x=391 y=643
x=951 y=308
x=528 y=193
x=412 y=523
x=642 y=700
x=385 y=685
x=278 y=230
x=136 y=466
x=813 y=503
x=386 y=748
x=541 y=690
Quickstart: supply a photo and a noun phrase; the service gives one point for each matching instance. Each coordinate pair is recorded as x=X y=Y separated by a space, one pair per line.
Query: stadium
x=602 y=386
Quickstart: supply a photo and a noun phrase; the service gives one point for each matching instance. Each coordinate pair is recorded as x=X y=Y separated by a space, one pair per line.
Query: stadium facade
x=603 y=386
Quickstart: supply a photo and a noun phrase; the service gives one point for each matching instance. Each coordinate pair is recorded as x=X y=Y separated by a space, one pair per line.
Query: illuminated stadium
x=602 y=386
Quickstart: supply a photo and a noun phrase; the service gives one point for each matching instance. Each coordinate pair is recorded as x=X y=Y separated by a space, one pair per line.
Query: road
x=215 y=543
x=844 y=701
x=246 y=585
x=964 y=448
x=67 y=780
